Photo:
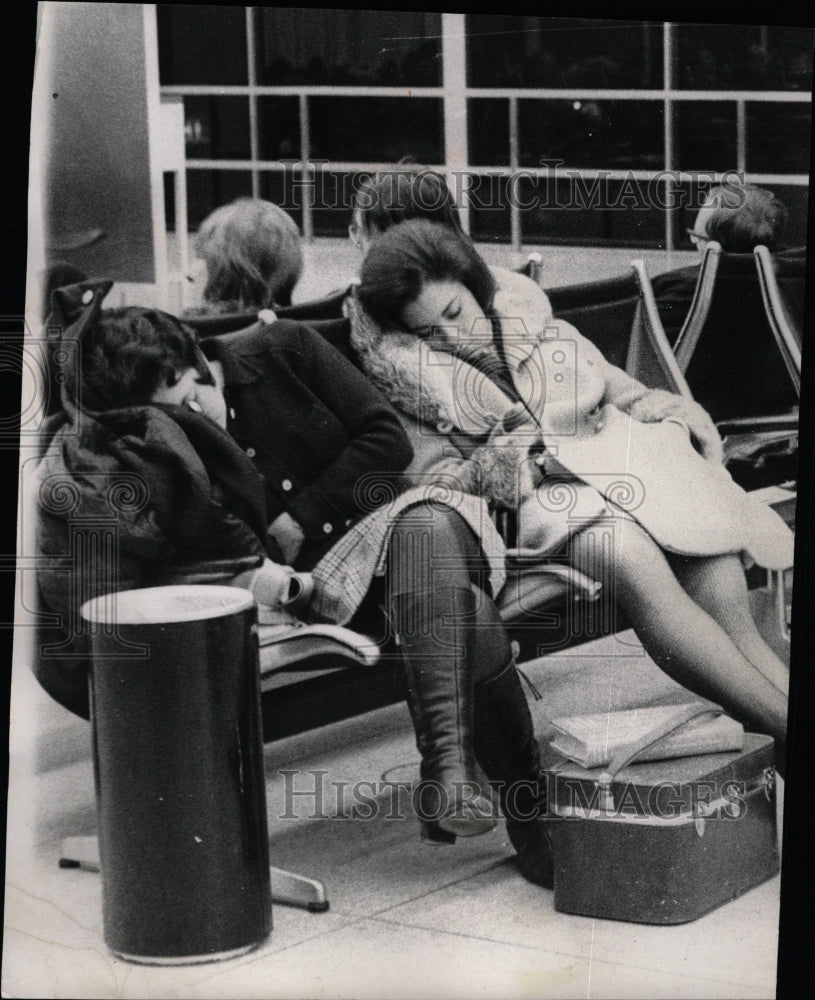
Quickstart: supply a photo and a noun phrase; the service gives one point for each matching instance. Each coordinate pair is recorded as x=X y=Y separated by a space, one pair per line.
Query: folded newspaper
x=594 y=740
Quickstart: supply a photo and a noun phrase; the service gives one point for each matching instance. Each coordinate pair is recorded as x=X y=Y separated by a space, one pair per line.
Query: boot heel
x=433 y=836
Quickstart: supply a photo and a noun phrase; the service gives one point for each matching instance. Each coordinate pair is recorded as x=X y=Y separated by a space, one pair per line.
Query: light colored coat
x=586 y=442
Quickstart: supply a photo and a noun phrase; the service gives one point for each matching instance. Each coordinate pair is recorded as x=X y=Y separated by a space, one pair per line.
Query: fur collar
x=429 y=385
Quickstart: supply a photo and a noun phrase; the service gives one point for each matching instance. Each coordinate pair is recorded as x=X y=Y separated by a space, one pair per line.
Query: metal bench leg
x=778 y=583
x=288 y=888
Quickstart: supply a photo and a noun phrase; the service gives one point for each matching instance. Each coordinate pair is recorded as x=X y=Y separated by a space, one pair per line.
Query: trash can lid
x=158 y=605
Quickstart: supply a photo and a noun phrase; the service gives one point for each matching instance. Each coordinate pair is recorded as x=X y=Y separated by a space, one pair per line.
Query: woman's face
x=447 y=312
x=193 y=392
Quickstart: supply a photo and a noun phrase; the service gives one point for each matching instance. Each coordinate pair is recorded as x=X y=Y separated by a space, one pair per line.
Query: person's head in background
x=253 y=252
x=399 y=195
x=739 y=217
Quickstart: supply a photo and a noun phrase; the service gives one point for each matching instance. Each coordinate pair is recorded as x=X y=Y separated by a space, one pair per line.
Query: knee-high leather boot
x=434 y=630
x=506 y=749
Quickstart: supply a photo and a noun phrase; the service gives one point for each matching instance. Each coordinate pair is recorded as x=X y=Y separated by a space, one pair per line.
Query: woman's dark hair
x=130 y=353
x=254 y=254
x=402 y=260
x=394 y=196
x=745 y=217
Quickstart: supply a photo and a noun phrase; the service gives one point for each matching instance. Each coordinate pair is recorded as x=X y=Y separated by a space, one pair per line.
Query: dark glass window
x=279 y=128
x=511 y=51
x=348 y=47
x=169 y=201
x=216 y=128
x=743 y=57
x=284 y=189
x=590 y=133
x=705 y=135
x=489 y=200
x=329 y=192
x=209 y=189
x=570 y=210
x=488 y=123
x=584 y=211
x=377 y=129
x=203 y=45
x=333 y=199
x=778 y=137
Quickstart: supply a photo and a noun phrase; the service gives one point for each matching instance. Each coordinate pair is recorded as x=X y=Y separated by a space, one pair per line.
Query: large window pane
x=216 y=128
x=705 y=135
x=209 y=189
x=279 y=128
x=201 y=45
x=283 y=187
x=778 y=137
x=511 y=51
x=333 y=201
x=743 y=57
x=489 y=201
x=585 y=211
x=488 y=122
x=330 y=193
x=589 y=133
x=350 y=47
x=570 y=210
x=377 y=129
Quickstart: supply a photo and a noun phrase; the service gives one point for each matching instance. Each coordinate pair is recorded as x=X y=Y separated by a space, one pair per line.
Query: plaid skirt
x=344 y=574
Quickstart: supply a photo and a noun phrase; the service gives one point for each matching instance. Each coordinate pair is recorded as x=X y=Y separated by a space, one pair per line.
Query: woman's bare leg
x=683 y=639
x=718 y=584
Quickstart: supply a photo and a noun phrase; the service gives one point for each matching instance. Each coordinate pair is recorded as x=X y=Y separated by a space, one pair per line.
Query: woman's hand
x=658 y=405
x=288 y=534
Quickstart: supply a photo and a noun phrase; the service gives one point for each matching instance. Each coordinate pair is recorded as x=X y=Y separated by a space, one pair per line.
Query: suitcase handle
x=625 y=756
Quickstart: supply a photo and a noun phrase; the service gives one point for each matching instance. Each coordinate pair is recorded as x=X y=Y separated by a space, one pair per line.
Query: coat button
x=250 y=452
x=286 y=484
x=87 y=297
x=328 y=528
x=231 y=413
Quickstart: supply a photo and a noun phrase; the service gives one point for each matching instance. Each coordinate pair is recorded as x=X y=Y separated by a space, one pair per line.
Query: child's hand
x=288 y=534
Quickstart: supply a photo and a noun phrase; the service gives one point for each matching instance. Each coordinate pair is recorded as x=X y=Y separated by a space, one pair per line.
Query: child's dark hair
x=394 y=196
x=403 y=259
x=130 y=353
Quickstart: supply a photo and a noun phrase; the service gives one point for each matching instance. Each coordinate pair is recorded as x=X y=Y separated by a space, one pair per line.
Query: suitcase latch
x=605 y=796
x=702 y=811
x=769 y=783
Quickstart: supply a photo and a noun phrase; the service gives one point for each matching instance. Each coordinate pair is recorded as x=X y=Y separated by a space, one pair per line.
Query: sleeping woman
x=525 y=411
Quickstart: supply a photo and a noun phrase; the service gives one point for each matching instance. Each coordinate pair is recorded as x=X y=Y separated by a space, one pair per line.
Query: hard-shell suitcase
x=663 y=842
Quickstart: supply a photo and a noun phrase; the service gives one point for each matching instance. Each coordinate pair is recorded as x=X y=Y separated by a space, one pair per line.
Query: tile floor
x=405 y=920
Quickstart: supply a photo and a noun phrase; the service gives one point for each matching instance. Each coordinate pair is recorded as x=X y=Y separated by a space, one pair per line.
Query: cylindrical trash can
x=178 y=764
